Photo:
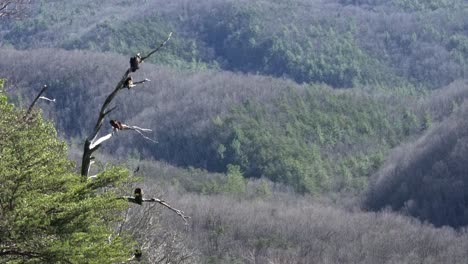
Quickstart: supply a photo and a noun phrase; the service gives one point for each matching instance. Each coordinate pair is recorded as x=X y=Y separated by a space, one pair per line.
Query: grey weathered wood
x=92 y=143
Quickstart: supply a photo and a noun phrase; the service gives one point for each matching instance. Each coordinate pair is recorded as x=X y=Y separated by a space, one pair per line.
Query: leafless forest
x=301 y=131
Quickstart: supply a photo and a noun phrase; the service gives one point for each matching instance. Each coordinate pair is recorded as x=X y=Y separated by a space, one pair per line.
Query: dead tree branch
x=161 y=202
x=92 y=143
x=155 y=50
x=44 y=88
x=47 y=99
x=140 y=131
x=138 y=199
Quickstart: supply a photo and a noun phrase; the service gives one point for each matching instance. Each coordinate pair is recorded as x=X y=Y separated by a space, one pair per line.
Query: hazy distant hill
x=251 y=83
x=340 y=43
x=312 y=137
x=428 y=178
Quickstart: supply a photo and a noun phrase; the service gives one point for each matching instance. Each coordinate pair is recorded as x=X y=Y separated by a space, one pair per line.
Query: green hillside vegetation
x=311 y=137
x=294 y=131
x=266 y=221
x=47 y=214
x=428 y=178
x=340 y=43
x=140 y=35
x=315 y=139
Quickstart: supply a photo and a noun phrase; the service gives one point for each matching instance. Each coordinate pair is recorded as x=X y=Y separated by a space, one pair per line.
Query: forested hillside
x=298 y=131
x=341 y=43
x=47 y=214
x=427 y=178
x=312 y=137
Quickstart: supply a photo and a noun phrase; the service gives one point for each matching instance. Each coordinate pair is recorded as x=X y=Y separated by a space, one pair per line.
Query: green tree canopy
x=47 y=213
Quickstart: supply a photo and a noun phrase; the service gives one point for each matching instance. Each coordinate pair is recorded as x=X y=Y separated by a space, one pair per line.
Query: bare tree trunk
x=92 y=143
x=44 y=88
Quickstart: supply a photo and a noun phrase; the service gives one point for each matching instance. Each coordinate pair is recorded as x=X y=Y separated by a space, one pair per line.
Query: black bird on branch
x=138 y=199
x=134 y=62
x=129 y=82
x=117 y=125
x=137 y=255
x=93 y=142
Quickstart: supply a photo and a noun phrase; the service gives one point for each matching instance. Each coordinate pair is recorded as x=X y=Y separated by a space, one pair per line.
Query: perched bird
x=138 y=199
x=138 y=196
x=134 y=62
x=117 y=125
x=129 y=82
x=138 y=254
x=137 y=169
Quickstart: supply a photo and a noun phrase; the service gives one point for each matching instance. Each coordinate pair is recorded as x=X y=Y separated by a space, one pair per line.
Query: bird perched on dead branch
x=129 y=82
x=138 y=196
x=93 y=142
x=134 y=62
x=138 y=199
x=117 y=125
x=137 y=254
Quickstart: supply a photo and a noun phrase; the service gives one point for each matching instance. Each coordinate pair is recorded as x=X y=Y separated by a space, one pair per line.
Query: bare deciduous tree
x=93 y=143
x=157 y=244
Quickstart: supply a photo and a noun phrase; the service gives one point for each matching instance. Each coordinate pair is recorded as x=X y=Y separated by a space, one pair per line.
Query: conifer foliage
x=47 y=213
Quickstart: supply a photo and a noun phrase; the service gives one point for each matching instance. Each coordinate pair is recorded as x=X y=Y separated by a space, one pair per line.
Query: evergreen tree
x=47 y=213
x=235 y=181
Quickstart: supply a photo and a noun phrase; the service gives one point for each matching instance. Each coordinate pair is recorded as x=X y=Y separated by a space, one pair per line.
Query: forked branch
x=92 y=142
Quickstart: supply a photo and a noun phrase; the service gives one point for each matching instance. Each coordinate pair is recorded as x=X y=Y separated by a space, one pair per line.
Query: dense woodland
x=299 y=131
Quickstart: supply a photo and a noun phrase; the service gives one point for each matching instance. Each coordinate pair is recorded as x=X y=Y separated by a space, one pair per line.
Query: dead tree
x=156 y=244
x=93 y=142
